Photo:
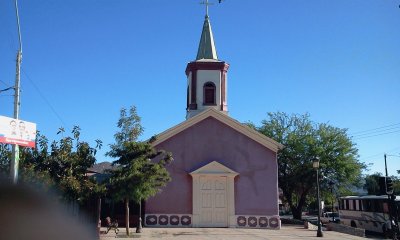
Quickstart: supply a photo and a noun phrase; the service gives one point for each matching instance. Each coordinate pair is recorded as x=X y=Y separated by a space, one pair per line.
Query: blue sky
x=83 y=60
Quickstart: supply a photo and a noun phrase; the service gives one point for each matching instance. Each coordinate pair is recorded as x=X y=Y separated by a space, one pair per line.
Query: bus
x=369 y=212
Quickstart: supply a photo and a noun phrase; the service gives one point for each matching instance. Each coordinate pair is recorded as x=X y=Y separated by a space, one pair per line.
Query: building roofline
x=245 y=130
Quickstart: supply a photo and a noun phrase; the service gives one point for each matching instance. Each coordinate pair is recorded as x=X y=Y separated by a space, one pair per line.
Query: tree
x=61 y=166
x=396 y=185
x=5 y=156
x=65 y=162
x=372 y=183
x=140 y=171
x=305 y=140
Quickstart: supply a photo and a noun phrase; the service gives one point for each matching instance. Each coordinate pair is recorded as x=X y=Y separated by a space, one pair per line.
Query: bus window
x=358 y=206
x=350 y=205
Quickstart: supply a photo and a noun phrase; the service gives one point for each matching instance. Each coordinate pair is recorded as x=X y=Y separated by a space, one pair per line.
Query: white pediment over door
x=214 y=168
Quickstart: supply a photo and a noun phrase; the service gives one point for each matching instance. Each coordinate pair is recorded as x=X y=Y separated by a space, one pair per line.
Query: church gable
x=210 y=155
x=223 y=119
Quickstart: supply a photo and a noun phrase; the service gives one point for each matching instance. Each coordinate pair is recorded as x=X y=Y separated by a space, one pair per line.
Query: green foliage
x=305 y=140
x=396 y=185
x=138 y=177
x=62 y=166
x=372 y=184
x=5 y=156
x=130 y=127
x=140 y=171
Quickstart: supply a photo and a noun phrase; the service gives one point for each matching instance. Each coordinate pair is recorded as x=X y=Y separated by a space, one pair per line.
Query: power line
x=44 y=98
x=6 y=89
x=375 y=135
x=376 y=131
x=7 y=85
x=373 y=129
x=381 y=153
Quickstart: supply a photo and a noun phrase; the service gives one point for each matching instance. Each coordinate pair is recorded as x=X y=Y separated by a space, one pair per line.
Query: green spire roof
x=207 y=46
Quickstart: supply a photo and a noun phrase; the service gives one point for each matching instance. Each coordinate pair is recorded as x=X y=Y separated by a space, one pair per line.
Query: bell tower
x=206 y=76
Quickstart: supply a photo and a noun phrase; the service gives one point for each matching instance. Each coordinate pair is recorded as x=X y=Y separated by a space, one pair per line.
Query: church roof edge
x=247 y=131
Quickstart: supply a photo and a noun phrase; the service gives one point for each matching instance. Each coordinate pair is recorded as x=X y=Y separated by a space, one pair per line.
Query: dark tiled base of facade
x=168 y=220
x=258 y=222
x=185 y=220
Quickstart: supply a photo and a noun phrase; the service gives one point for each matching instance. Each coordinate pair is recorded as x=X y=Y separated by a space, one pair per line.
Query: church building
x=224 y=174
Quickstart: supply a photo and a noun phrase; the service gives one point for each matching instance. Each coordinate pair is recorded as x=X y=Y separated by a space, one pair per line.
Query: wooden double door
x=213 y=201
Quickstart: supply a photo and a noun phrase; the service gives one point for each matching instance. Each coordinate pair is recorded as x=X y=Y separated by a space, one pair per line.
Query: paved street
x=286 y=233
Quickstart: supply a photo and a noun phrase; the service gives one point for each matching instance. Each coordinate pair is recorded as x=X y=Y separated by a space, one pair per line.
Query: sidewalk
x=287 y=232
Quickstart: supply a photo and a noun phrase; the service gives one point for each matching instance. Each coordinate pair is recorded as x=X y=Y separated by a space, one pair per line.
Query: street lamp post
x=316 y=167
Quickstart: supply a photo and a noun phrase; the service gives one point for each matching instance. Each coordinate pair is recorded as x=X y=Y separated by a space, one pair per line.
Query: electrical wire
x=7 y=85
x=377 y=132
x=383 y=128
x=6 y=89
x=381 y=153
x=375 y=135
x=44 y=98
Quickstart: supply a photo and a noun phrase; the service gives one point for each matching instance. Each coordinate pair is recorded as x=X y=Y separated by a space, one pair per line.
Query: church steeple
x=207 y=46
x=206 y=76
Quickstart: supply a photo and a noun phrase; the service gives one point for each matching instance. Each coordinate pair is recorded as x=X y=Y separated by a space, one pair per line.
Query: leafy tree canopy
x=60 y=166
x=137 y=177
x=305 y=140
x=140 y=171
x=140 y=168
x=372 y=184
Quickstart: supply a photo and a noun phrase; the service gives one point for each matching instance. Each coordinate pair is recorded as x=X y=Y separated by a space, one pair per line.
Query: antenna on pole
x=15 y=148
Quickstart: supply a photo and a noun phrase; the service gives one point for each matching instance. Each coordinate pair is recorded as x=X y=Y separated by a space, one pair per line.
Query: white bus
x=368 y=212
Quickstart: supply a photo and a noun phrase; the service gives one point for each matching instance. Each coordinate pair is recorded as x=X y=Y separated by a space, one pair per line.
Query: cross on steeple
x=206 y=3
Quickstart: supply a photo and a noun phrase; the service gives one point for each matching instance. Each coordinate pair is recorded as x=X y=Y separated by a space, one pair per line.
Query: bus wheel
x=353 y=224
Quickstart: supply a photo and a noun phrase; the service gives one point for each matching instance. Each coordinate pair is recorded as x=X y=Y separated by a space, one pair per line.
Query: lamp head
x=316 y=163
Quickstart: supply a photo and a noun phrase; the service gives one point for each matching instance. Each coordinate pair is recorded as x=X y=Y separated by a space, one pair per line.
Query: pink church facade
x=224 y=174
x=224 y=152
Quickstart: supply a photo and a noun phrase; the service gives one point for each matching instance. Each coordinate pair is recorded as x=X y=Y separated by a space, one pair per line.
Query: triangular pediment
x=223 y=118
x=214 y=167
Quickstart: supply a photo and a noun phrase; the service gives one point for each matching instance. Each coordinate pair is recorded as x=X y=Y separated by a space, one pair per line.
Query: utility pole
x=15 y=148
x=384 y=155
